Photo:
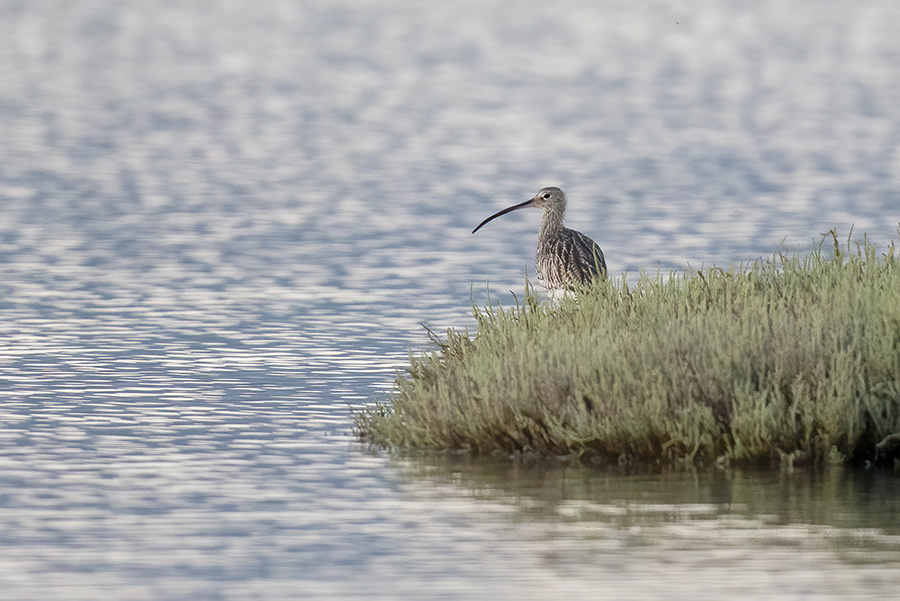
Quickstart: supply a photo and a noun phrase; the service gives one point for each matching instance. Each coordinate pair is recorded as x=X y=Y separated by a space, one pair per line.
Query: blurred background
x=222 y=223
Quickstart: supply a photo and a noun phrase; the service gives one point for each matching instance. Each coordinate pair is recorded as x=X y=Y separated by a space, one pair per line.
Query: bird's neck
x=552 y=221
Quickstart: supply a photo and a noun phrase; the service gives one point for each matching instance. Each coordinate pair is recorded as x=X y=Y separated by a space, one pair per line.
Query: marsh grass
x=787 y=359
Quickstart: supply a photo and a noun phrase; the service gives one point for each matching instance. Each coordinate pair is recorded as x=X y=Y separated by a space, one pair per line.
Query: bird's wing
x=568 y=259
x=586 y=257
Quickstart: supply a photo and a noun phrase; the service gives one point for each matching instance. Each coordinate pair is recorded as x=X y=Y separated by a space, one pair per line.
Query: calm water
x=222 y=223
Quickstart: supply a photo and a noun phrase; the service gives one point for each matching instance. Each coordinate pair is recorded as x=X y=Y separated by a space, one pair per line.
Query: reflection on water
x=633 y=535
x=221 y=226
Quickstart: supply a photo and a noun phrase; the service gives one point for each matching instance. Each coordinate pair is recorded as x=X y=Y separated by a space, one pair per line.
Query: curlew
x=564 y=258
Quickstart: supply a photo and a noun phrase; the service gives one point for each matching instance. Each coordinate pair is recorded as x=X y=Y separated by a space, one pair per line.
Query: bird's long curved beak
x=521 y=205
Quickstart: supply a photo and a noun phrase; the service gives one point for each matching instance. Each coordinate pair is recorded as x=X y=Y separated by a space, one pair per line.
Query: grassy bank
x=788 y=359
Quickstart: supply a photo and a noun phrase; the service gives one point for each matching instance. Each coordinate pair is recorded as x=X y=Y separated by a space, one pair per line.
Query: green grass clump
x=793 y=358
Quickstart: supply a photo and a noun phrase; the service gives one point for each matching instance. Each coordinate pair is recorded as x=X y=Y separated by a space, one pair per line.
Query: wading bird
x=564 y=258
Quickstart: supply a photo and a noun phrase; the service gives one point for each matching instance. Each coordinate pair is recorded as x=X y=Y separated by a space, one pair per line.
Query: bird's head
x=546 y=198
x=549 y=197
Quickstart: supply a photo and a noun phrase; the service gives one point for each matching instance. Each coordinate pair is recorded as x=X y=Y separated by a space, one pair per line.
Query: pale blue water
x=221 y=224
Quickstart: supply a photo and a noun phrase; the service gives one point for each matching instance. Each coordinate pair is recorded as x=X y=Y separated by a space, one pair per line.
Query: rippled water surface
x=222 y=223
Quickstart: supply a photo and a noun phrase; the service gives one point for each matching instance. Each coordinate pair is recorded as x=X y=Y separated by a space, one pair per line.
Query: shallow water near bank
x=642 y=534
x=221 y=228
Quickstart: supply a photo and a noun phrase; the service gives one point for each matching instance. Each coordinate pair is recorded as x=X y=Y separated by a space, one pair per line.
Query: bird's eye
x=546 y=196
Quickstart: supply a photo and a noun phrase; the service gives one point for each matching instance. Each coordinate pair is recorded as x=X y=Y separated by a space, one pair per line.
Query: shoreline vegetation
x=788 y=360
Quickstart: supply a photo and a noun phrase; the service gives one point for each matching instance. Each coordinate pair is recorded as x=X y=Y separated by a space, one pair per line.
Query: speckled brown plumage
x=565 y=258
